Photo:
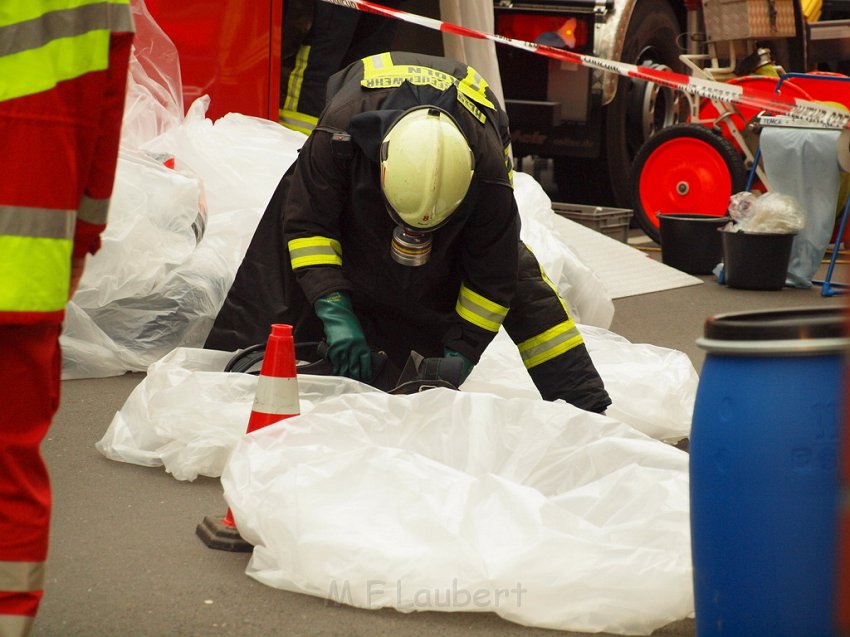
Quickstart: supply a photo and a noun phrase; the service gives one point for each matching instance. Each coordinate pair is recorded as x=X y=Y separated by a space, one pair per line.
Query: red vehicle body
x=229 y=50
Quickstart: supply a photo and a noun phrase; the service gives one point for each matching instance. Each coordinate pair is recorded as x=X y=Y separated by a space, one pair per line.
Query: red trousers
x=30 y=370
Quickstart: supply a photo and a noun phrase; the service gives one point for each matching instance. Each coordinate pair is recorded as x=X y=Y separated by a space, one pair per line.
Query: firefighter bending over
x=396 y=229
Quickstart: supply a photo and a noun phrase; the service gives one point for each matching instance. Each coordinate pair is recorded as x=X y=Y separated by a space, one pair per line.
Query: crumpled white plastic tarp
x=487 y=499
x=543 y=513
x=545 y=233
x=174 y=241
x=187 y=414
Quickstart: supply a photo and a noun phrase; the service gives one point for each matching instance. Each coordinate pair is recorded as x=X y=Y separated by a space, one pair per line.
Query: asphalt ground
x=125 y=561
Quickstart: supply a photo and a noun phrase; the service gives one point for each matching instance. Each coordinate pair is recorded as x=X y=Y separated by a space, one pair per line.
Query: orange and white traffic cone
x=276 y=399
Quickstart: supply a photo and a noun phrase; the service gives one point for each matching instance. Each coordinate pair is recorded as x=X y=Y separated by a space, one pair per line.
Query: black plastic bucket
x=754 y=261
x=691 y=242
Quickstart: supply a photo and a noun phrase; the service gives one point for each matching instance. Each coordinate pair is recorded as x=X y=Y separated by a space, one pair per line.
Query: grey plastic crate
x=611 y=221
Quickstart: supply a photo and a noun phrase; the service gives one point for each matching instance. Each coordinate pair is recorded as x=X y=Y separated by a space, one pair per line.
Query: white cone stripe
x=805 y=110
x=277 y=396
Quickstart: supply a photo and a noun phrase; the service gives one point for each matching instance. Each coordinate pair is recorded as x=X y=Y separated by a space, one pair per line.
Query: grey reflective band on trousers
x=64 y=23
x=21 y=577
x=43 y=223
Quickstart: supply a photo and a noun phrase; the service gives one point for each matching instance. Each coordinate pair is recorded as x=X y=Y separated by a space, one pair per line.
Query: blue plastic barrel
x=763 y=473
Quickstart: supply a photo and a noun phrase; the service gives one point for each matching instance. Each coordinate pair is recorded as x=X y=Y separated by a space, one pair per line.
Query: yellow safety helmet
x=426 y=168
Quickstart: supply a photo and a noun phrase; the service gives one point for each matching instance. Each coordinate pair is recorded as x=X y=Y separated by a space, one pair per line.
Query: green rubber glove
x=348 y=350
x=467 y=364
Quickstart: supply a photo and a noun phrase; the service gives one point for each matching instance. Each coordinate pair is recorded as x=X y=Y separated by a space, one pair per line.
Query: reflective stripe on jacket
x=58 y=106
x=44 y=43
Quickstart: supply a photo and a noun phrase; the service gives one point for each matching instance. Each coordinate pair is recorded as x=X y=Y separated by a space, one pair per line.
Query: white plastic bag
x=154 y=98
x=770 y=213
x=449 y=501
x=154 y=285
x=543 y=231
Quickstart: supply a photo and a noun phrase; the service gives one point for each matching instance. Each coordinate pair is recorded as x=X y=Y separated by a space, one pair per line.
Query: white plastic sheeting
x=154 y=285
x=187 y=414
x=546 y=234
x=450 y=501
x=487 y=499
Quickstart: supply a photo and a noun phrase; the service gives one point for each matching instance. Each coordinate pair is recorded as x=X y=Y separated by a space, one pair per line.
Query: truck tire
x=686 y=168
x=640 y=109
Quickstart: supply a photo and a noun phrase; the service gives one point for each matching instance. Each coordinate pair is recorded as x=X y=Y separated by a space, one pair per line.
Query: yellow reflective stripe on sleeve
x=21 y=577
x=300 y=122
x=479 y=310
x=93 y=210
x=35 y=273
x=509 y=164
x=308 y=251
x=296 y=79
x=554 y=341
x=549 y=344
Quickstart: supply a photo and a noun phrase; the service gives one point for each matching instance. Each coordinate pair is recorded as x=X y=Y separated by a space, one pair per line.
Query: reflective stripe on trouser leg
x=290 y=115
x=29 y=386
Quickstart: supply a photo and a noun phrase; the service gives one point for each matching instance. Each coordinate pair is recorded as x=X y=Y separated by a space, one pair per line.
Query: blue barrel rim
x=800 y=347
x=788 y=324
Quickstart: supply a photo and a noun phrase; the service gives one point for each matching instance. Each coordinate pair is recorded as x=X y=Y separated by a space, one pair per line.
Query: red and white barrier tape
x=805 y=110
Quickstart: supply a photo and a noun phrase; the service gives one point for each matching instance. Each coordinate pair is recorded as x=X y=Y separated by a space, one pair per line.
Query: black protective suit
x=479 y=275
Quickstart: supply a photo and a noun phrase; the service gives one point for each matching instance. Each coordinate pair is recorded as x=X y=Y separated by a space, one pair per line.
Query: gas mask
x=409 y=247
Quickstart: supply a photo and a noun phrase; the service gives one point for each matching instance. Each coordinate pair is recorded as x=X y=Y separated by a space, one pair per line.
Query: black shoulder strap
x=341 y=147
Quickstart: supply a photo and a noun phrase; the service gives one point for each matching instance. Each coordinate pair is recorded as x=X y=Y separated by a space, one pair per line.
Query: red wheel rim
x=685 y=175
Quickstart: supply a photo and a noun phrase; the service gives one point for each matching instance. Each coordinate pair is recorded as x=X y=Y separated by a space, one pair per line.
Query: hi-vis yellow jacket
x=63 y=71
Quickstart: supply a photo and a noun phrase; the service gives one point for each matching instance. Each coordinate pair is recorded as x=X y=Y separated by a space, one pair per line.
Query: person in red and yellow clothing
x=63 y=74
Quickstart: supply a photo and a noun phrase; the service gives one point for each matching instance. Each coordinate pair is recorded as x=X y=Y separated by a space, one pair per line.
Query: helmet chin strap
x=409 y=247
